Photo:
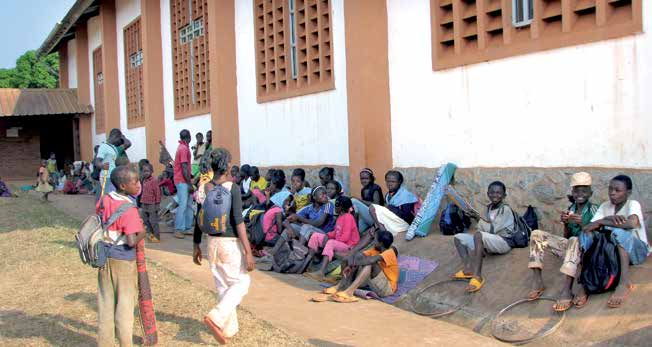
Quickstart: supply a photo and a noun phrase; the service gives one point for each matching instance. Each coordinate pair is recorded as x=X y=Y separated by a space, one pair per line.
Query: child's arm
x=278 y=221
x=622 y=222
x=359 y=259
x=133 y=239
x=242 y=235
x=314 y=222
x=377 y=197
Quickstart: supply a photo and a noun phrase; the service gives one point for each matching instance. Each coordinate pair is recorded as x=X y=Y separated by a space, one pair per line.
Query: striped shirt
x=151 y=192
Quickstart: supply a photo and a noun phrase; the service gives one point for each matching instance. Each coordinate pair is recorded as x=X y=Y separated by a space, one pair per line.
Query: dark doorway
x=57 y=136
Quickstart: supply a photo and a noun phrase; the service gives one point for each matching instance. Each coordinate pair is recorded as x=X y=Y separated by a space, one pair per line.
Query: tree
x=31 y=72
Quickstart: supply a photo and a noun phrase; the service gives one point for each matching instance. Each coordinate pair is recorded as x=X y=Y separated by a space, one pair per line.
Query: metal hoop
x=433 y=314
x=530 y=339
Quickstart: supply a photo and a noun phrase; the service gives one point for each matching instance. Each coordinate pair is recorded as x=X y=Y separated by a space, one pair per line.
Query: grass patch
x=48 y=297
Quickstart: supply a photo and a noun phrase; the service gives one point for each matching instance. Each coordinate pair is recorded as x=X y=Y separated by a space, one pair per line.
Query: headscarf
x=401 y=197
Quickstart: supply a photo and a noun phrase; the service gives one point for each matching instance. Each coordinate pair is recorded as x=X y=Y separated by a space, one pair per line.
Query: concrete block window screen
x=472 y=31
x=189 y=21
x=134 y=74
x=98 y=87
x=294 y=54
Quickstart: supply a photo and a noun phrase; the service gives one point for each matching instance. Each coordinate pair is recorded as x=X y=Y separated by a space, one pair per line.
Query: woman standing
x=229 y=252
x=43 y=184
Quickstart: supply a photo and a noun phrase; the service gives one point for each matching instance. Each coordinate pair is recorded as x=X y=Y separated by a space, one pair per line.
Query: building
x=536 y=88
x=35 y=123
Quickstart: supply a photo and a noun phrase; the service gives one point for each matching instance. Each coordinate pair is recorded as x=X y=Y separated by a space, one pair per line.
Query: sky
x=26 y=24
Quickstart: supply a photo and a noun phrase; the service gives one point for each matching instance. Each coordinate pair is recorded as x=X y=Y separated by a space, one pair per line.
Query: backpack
x=453 y=221
x=521 y=235
x=531 y=218
x=600 y=265
x=289 y=258
x=215 y=212
x=255 y=230
x=93 y=250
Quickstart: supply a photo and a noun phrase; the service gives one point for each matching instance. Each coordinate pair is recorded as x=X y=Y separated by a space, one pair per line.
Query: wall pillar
x=150 y=21
x=224 y=97
x=367 y=85
x=63 y=65
x=83 y=91
x=110 y=66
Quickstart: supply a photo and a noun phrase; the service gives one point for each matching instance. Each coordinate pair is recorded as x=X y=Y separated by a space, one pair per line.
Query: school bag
x=289 y=258
x=521 y=235
x=91 y=244
x=255 y=230
x=452 y=221
x=530 y=218
x=214 y=215
x=600 y=265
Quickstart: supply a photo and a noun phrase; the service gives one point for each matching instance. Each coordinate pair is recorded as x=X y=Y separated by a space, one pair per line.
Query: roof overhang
x=63 y=31
x=36 y=102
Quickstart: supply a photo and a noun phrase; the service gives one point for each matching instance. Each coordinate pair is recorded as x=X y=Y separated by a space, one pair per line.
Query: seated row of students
x=620 y=215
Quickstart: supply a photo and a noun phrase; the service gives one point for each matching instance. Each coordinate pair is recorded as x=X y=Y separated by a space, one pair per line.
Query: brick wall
x=19 y=156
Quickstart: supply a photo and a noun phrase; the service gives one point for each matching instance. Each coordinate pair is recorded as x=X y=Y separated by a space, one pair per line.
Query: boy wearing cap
x=578 y=215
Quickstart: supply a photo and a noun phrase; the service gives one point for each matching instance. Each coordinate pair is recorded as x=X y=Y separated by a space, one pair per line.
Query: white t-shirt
x=245 y=185
x=631 y=207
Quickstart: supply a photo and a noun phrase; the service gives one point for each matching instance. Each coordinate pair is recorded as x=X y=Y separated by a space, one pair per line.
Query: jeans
x=636 y=249
x=184 y=215
x=364 y=217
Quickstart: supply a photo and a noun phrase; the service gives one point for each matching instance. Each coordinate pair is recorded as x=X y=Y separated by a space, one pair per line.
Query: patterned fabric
x=588 y=211
x=151 y=191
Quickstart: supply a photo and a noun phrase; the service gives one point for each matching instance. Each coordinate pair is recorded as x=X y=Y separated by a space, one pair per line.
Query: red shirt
x=346 y=230
x=151 y=191
x=182 y=156
x=128 y=223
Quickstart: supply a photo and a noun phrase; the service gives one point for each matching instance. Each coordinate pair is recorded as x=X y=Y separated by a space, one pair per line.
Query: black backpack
x=452 y=221
x=255 y=230
x=521 y=235
x=289 y=258
x=531 y=218
x=600 y=265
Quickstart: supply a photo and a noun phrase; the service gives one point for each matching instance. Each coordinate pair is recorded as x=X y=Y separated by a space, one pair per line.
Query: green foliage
x=31 y=72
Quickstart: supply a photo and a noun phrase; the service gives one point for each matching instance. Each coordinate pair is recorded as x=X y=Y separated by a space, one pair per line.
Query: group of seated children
x=620 y=215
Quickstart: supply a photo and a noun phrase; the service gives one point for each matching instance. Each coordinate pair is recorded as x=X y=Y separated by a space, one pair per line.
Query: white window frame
x=526 y=10
x=294 y=56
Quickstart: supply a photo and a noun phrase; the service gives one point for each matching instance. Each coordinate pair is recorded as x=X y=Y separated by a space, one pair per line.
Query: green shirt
x=587 y=214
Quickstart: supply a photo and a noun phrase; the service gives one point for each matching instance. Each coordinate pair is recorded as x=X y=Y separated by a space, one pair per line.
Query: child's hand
x=619 y=220
x=564 y=216
x=196 y=254
x=251 y=263
x=575 y=218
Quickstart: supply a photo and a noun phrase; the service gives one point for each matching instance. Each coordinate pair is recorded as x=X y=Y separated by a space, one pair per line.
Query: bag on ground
x=255 y=230
x=91 y=238
x=531 y=218
x=521 y=235
x=600 y=265
x=452 y=221
x=289 y=258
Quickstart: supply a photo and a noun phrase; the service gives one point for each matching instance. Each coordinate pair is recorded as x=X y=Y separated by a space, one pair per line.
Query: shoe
x=217 y=332
x=179 y=235
x=189 y=232
x=153 y=239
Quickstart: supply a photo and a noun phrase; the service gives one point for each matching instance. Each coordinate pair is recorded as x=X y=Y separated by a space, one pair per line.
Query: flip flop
x=562 y=305
x=330 y=290
x=630 y=288
x=320 y=298
x=461 y=276
x=535 y=294
x=344 y=298
x=477 y=285
x=580 y=301
x=218 y=334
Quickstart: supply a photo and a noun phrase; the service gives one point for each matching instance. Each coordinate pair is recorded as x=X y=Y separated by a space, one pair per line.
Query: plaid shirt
x=151 y=191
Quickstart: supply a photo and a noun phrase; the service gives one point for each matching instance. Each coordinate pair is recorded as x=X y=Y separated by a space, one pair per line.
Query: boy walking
x=118 y=279
x=150 y=199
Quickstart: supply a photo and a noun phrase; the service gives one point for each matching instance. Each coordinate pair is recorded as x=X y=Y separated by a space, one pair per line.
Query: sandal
x=320 y=298
x=460 y=275
x=562 y=305
x=535 y=294
x=630 y=288
x=580 y=301
x=344 y=298
x=330 y=290
x=475 y=285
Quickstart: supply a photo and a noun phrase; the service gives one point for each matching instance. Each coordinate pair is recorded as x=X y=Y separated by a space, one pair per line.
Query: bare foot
x=620 y=295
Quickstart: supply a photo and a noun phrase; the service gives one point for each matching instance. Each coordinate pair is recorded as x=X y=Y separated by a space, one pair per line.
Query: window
x=134 y=74
x=472 y=31
x=98 y=87
x=522 y=12
x=293 y=48
x=190 y=57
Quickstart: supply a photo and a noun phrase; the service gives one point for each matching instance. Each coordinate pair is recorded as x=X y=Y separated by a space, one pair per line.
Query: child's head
x=343 y=204
x=209 y=137
x=44 y=162
x=298 y=179
x=288 y=205
x=125 y=180
x=393 y=180
x=141 y=164
x=367 y=177
x=384 y=240
x=199 y=137
x=581 y=187
x=52 y=155
x=496 y=192
x=146 y=170
x=276 y=183
x=234 y=171
x=326 y=174
x=333 y=189
x=620 y=188
x=219 y=159
x=246 y=170
x=115 y=137
x=184 y=135
x=255 y=173
x=319 y=196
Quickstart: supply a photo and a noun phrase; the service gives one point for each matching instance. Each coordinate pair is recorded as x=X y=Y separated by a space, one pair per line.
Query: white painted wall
x=94 y=40
x=305 y=130
x=126 y=12
x=577 y=106
x=72 y=63
x=199 y=123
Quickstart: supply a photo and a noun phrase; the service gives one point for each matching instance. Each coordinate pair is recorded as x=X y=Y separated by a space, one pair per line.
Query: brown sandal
x=562 y=305
x=535 y=294
x=581 y=301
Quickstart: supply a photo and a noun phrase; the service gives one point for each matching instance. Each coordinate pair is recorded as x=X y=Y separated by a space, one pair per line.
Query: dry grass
x=47 y=297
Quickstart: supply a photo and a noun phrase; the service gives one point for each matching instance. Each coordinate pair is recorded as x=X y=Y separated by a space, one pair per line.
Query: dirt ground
x=48 y=297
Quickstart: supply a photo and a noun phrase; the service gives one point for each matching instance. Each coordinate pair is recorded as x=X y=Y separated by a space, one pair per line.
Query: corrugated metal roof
x=32 y=102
